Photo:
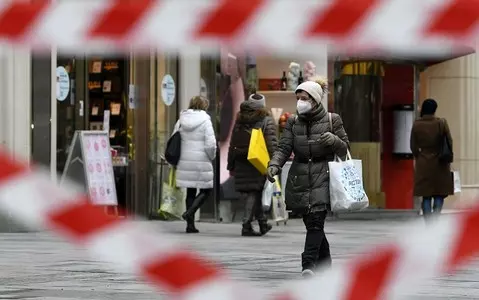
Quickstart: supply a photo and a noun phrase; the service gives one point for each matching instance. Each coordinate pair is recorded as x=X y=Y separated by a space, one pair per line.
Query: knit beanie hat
x=256 y=101
x=313 y=89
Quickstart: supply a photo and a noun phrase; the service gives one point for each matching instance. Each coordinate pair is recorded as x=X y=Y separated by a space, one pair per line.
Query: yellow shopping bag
x=258 y=154
x=173 y=199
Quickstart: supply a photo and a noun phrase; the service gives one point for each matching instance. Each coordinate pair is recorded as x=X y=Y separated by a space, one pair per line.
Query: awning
x=463 y=51
x=423 y=60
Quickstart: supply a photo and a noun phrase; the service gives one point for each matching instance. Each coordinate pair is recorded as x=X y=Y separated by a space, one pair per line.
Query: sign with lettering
x=63 y=84
x=92 y=85
x=90 y=164
x=111 y=65
x=168 y=89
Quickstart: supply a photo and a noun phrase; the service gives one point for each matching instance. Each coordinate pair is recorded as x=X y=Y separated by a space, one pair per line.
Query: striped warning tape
x=33 y=199
x=382 y=273
x=279 y=25
x=419 y=252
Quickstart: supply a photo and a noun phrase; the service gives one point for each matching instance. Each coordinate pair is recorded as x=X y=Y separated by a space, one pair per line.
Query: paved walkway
x=39 y=266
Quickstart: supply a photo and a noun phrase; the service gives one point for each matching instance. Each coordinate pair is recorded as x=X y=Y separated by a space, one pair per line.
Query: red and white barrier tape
x=31 y=198
x=279 y=25
x=387 y=272
x=382 y=273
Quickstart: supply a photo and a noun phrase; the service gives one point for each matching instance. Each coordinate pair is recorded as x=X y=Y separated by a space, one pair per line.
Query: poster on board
x=90 y=164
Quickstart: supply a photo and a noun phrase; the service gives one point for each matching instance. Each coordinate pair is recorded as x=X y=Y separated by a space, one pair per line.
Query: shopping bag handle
x=172 y=177
x=338 y=159
x=276 y=182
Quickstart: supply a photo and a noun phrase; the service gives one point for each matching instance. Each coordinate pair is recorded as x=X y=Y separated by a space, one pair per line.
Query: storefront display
x=107 y=92
x=91 y=96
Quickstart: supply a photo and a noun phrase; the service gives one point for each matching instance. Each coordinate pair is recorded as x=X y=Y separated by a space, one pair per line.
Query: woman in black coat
x=249 y=182
x=315 y=137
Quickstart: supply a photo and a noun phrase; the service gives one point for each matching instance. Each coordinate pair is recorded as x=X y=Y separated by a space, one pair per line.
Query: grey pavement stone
x=7 y=224
x=40 y=266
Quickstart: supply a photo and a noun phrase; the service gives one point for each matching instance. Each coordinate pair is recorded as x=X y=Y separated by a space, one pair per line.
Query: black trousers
x=191 y=196
x=316 y=247
x=253 y=207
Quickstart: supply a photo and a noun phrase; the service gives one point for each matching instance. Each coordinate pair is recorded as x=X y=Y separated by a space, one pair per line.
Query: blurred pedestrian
x=248 y=180
x=198 y=148
x=433 y=179
x=315 y=137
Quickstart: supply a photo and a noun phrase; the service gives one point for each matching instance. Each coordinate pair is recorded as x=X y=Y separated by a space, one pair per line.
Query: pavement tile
x=40 y=266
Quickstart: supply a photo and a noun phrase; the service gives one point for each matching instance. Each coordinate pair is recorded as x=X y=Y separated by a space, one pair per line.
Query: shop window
x=164 y=112
x=163 y=102
x=107 y=88
x=209 y=87
x=65 y=117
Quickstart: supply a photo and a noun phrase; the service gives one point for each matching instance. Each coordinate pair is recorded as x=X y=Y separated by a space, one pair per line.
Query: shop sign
x=168 y=89
x=63 y=84
x=111 y=65
x=93 y=85
x=132 y=96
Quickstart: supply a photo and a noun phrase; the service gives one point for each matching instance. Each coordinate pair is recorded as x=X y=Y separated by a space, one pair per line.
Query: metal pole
x=417 y=86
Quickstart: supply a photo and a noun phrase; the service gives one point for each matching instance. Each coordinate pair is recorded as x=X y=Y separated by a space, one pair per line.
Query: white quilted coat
x=198 y=149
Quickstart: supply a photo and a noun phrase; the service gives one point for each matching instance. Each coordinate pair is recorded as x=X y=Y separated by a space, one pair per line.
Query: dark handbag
x=446 y=155
x=173 y=149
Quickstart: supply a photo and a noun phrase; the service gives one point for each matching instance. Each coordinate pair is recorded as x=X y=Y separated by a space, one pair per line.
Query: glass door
x=70 y=95
x=164 y=113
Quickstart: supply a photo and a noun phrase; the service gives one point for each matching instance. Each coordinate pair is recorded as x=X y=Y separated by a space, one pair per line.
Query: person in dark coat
x=433 y=180
x=249 y=182
x=315 y=137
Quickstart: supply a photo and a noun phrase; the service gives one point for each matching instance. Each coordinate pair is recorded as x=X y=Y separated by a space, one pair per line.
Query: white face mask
x=303 y=107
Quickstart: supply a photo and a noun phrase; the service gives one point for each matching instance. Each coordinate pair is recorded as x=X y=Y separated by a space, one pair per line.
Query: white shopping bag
x=457 y=182
x=278 y=211
x=267 y=197
x=346 y=188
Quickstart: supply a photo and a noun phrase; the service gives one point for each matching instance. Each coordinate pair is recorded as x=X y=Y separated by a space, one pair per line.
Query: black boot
x=264 y=227
x=248 y=230
x=197 y=203
x=190 y=226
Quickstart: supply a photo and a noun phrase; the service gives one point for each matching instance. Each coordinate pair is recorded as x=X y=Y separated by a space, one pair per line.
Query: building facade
x=454 y=84
x=37 y=126
x=40 y=110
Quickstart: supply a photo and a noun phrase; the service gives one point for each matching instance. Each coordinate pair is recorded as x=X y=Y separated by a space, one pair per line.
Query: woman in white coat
x=198 y=149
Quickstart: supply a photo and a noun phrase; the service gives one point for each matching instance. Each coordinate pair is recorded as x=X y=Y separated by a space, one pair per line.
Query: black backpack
x=240 y=139
x=173 y=149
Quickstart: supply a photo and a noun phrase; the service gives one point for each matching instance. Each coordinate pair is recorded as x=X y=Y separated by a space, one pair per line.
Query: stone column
x=141 y=169
x=15 y=116
x=189 y=75
x=15 y=104
x=454 y=85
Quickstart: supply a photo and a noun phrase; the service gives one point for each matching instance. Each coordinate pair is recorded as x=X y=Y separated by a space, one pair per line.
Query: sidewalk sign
x=89 y=163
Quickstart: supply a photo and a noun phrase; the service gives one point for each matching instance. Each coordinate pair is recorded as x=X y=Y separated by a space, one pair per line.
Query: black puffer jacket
x=307 y=188
x=247 y=177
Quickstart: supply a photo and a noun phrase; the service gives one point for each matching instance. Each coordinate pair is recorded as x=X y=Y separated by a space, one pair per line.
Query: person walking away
x=249 y=182
x=433 y=179
x=315 y=137
x=198 y=148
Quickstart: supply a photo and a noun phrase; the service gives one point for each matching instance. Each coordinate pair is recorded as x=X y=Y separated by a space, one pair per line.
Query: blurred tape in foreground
x=419 y=252
x=429 y=27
